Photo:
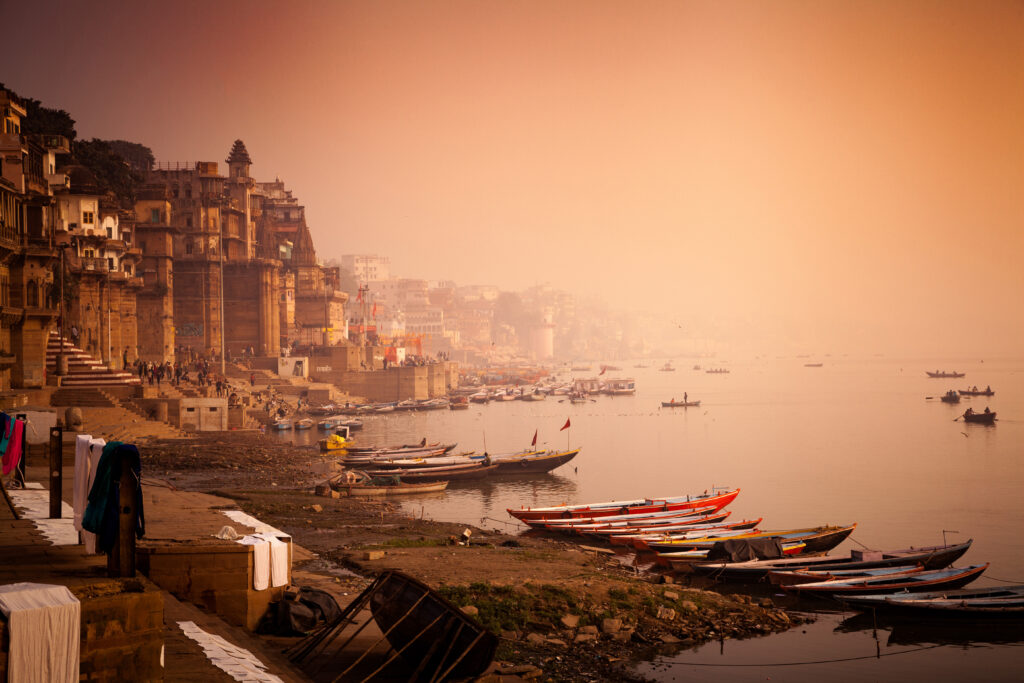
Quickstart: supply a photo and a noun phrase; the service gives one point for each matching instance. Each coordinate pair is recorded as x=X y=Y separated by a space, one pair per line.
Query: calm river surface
x=855 y=440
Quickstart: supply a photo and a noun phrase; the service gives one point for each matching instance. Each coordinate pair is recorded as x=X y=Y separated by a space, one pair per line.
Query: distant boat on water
x=813 y=365
x=943 y=374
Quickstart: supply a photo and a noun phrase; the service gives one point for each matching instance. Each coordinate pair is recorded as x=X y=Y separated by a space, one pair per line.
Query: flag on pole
x=374 y=315
x=566 y=425
x=534 y=438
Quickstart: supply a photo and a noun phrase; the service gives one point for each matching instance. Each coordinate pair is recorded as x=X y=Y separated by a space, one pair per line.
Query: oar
x=928 y=398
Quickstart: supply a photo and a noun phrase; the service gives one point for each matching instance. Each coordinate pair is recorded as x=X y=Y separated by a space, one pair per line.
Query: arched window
x=32 y=294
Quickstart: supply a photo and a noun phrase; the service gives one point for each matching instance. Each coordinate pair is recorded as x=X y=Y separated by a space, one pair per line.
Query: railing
x=96 y=265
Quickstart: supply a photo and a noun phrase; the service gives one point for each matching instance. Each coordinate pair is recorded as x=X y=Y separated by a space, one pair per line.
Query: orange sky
x=837 y=176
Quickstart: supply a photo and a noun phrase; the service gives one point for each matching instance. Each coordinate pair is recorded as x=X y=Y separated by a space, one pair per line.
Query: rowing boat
x=932 y=557
x=815 y=539
x=624 y=507
x=680 y=404
x=934 y=579
x=979 y=602
x=532 y=461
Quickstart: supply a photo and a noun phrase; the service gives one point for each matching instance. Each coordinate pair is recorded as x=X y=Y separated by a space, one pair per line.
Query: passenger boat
x=679 y=404
x=934 y=579
x=532 y=461
x=985 y=417
x=624 y=507
x=459 y=403
x=977 y=602
x=813 y=365
x=944 y=374
x=932 y=557
x=480 y=397
x=975 y=392
x=281 y=425
x=950 y=397
x=304 y=423
x=816 y=539
x=329 y=422
x=717 y=371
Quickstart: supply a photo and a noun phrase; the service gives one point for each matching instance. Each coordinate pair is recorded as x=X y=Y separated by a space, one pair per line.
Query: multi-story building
x=367 y=267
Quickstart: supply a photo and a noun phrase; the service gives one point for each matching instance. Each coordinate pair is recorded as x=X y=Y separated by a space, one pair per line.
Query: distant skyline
x=829 y=175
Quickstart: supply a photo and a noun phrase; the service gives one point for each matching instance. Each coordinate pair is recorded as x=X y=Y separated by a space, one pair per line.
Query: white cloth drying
x=271 y=566
x=88 y=452
x=260 y=561
x=44 y=632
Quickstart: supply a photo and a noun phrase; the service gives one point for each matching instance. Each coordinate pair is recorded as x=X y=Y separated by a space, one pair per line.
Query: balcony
x=57 y=143
x=94 y=265
x=58 y=180
x=116 y=245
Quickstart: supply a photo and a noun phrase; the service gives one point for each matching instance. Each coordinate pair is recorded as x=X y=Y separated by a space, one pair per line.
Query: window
x=110 y=263
x=110 y=233
x=87 y=217
x=188 y=247
x=89 y=253
x=188 y=222
x=154 y=215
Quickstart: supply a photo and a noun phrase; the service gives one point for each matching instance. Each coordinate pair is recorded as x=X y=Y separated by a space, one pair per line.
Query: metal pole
x=60 y=353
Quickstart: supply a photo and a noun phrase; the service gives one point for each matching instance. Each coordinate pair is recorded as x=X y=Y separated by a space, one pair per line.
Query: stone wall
x=216 y=576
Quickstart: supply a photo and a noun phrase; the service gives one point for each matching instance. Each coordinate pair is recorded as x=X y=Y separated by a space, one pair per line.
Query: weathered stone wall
x=217 y=577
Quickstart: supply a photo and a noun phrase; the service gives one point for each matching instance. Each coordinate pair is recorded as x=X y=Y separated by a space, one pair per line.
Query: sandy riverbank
x=570 y=612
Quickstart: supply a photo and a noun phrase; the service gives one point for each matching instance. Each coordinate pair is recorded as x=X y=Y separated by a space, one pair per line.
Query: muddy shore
x=565 y=612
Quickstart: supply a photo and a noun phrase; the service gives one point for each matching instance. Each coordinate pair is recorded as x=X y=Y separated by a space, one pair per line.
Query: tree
x=43 y=120
x=112 y=172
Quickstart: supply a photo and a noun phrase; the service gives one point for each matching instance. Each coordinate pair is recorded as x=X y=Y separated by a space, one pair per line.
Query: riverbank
x=566 y=611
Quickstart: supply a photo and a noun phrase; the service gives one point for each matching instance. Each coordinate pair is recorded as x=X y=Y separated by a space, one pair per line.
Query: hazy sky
x=841 y=175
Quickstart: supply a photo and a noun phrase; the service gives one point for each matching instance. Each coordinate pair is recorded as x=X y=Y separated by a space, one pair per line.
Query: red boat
x=626 y=507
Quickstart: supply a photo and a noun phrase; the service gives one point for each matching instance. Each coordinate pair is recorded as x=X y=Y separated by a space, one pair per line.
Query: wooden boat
x=667 y=367
x=349 y=424
x=985 y=418
x=638 y=519
x=335 y=442
x=813 y=365
x=683 y=561
x=625 y=537
x=399 y=488
x=950 y=397
x=459 y=403
x=944 y=375
x=717 y=371
x=815 y=539
x=628 y=529
x=975 y=392
x=535 y=396
x=931 y=557
x=624 y=507
x=330 y=422
x=433 y=638
x=480 y=397
x=281 y=425
x=304 y=423
x=931 y=580
x=536 y=461
x=403 y=450
x=450 y=472
x=978 y=602
x=415 y=620
x=386 y=461
x=679 y=404
x=811 y=576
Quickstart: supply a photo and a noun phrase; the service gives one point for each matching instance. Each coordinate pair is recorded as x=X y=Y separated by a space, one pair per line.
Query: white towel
x=260 y=561
x=95 y=453
x=81 y=494
x=44 y=632
x=279 y=564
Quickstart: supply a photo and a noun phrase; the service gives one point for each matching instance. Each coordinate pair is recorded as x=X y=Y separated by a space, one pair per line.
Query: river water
x=856 y=440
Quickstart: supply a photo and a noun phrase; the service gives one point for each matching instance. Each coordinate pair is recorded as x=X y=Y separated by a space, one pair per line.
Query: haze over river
x=856 y=440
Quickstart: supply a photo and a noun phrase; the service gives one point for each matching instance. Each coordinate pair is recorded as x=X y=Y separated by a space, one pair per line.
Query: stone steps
x=83 y=369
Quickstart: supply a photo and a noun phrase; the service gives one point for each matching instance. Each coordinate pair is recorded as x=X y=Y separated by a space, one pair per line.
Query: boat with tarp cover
x=815 y=539
x=626 y=507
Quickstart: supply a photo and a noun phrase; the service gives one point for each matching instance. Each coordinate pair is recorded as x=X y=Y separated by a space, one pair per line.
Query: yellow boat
x=335 y=442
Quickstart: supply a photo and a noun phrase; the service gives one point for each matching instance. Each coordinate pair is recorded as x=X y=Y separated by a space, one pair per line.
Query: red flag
x=603 y=368
x=566 y=425
x=359 y=296
x=374 y=309
x=534 y=438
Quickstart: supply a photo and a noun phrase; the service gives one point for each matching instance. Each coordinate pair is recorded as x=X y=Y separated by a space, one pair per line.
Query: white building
x=366 y=267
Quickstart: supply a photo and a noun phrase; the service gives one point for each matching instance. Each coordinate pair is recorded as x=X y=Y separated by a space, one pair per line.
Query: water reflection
x=917 y=630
